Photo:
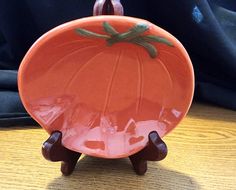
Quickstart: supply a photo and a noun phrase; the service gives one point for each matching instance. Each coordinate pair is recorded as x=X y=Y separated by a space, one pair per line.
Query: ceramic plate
x=106 y=82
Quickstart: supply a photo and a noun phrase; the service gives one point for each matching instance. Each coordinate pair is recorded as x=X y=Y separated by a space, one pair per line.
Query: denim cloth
x=207 y=28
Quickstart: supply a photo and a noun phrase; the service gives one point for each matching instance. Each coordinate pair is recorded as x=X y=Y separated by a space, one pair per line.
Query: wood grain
x=202 y=155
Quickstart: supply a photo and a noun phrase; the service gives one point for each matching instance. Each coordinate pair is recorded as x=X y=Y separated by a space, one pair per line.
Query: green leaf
x=88 y=33
x=109 y=29
x=151 y=38
x=149 y=47
x=137 y=30
x=140 y=28
x=132 y=36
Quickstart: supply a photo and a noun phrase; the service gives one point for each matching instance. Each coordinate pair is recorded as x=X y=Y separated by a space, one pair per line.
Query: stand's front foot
x=54 y=151
x=155 y=150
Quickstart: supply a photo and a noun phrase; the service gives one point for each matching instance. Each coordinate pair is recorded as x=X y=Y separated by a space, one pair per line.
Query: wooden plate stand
x=54 y=151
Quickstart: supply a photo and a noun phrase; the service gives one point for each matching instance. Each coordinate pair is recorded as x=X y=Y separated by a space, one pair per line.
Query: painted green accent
x=137 y=30
x=152 y=50
x=109 y=29
x=134 y=35
x=134 y=32
x=159 y=39
x=88 y=33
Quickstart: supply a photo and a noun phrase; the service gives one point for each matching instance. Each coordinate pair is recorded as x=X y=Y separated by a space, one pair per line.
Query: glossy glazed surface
x=106 y=98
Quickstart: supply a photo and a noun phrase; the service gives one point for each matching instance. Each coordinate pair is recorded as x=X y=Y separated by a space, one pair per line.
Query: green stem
x=132 y=36
x=134 y=32
x=88 y=33
x=137 y=30
x=151 y=49
x=109 y=29
x=151 y=38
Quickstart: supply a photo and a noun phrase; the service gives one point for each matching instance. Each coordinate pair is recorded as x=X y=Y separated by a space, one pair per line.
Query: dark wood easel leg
x=53 y=150
x=156 y=150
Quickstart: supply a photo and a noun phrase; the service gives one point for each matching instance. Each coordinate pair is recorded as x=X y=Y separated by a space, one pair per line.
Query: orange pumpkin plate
x=106 y=82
